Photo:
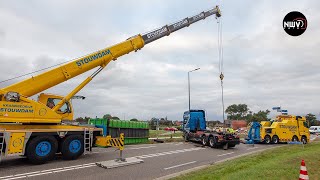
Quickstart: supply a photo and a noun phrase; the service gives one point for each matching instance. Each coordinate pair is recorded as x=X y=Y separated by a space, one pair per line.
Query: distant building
x=236 y=124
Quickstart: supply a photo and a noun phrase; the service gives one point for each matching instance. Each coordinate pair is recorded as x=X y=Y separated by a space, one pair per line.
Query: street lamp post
x=189 y=84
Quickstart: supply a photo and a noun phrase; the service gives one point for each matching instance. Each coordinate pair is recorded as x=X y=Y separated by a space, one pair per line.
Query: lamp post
x=189 y=84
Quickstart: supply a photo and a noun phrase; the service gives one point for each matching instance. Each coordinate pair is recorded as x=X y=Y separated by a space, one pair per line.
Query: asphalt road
x=159 y=160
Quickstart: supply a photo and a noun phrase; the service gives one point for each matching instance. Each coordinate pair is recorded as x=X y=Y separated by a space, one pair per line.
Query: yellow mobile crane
x=36 y=129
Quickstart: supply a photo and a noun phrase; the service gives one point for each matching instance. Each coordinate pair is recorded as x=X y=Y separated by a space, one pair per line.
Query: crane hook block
x=221 y=76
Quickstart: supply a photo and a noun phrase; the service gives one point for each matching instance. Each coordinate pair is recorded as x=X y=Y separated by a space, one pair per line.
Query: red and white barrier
x=303 y=171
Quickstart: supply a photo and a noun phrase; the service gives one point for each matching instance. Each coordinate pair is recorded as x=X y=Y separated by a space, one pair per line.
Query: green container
x=135 y=140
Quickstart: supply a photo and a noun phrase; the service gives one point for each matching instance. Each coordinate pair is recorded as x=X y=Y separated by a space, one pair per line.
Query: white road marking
x=81 y=166
x=167 y=153
x=226 y=154
x=180 y=165
x=17 y=177
x=48 y=171
x=39 y=174
x=252 y=148
x=146 y=147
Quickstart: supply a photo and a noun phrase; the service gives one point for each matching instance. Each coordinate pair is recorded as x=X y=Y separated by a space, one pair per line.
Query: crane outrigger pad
x=118 y=163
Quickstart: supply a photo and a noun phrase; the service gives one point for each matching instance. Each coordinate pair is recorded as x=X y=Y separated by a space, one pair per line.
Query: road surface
x=159 y=160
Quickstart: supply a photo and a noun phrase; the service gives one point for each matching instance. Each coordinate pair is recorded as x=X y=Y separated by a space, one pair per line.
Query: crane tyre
x=72 y=147
x=41 y=149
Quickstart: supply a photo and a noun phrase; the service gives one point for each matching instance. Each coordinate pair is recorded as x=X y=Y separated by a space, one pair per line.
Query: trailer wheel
x=267 y=139
x=304 y=140
x=295 y=138
x=204 y=140
x=275 y=139
x=211 y=142
x=41 y=149
x=72 y=147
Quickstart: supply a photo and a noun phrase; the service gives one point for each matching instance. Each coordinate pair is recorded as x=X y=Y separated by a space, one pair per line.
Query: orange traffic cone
x=303 y=171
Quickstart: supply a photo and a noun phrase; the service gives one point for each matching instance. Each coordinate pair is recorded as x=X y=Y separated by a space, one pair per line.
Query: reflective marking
x=146 y=147
x=226 y=154
x=180 y=165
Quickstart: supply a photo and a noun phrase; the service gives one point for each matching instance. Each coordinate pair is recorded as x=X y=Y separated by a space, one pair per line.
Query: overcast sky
x=263 y=66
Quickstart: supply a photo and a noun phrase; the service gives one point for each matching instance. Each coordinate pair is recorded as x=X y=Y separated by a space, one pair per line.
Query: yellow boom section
x=39 y=83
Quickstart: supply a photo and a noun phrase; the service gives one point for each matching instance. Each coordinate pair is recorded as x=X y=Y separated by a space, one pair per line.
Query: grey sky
x=263 y=66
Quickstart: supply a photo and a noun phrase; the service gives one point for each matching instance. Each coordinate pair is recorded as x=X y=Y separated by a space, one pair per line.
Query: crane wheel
x=72 y=147
x=275 y=139
x=41 y=149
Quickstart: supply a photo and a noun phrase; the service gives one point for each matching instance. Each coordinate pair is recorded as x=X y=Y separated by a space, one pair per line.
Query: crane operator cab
x=52 y=100
x=15 y=107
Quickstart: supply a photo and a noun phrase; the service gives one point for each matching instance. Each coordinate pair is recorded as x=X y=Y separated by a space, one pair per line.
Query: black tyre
x=41 y=149
x=212 y=142
x=267 y=139
x=232 y=145
x=72 y=147
x=304 y=140
x=204 y=140
x=275 y=139
x=295 y=139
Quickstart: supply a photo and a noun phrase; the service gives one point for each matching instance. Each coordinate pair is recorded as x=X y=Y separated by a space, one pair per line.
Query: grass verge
x=280 y=163
x=163 y=133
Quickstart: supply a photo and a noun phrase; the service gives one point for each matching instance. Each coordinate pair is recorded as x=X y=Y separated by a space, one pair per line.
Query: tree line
x=242 y=112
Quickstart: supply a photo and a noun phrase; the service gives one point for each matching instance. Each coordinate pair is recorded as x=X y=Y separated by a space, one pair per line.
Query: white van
x=314 y=129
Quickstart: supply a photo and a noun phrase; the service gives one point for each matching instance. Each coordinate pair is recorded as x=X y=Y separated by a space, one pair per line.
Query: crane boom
x=41 y=82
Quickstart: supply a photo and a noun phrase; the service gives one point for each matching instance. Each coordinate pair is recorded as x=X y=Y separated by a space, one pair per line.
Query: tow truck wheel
x=295 y=139
x=204 y=141
x=275 y=139
x=267 y=139
x=304 y=140
x=41 y=149
x=211 y=142
x=72 y=147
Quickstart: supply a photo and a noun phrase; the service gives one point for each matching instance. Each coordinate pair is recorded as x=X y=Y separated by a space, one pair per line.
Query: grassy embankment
x=279 y=163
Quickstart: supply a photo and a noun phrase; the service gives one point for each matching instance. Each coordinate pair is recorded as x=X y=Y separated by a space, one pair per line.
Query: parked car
x=170 y=129
x=314 y=129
